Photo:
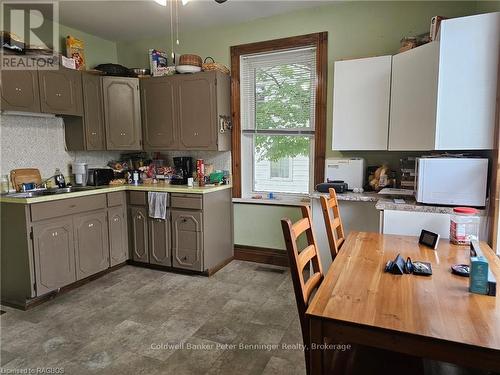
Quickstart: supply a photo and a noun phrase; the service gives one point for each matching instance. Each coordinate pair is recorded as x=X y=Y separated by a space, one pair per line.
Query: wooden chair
x=333 y=222
x=303 y=288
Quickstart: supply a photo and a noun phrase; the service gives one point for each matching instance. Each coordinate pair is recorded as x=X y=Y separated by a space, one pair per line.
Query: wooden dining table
x=433 y=317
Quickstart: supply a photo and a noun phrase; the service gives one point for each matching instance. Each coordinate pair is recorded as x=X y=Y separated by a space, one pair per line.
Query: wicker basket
x=207 y=66
x=194 y=60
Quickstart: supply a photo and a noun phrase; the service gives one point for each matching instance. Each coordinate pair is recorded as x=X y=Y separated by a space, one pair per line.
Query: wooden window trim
x=318 y=40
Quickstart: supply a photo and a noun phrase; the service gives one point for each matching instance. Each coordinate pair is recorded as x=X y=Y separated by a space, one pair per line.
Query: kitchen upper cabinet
x=444 y=93
x=122 y=116
x=54 y=252
x=187 y=239
x=93 y=116
x=197 y=112
x=19 y=90
x=118 y=235
x=361 y=98
x=158 y=113
x=139 y=234
x=186 y=112
x=159 y=242
x=91 y=243
x=61 y=91
x=414 y=98
x=87 y=132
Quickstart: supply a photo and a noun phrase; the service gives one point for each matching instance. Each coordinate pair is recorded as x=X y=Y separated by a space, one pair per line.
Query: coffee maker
x=184 y=169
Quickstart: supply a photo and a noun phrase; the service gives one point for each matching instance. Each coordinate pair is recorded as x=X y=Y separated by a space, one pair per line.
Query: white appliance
x=452 y=181
x=80 y=171
x=349 y=170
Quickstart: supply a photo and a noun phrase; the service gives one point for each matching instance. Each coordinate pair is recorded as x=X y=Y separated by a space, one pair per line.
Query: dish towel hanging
x=157 y=205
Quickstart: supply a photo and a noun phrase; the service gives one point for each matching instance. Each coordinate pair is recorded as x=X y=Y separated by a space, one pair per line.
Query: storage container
x=464 y=225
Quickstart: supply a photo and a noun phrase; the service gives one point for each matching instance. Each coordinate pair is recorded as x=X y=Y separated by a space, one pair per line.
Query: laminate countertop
x=159 y=187
x=382 y=202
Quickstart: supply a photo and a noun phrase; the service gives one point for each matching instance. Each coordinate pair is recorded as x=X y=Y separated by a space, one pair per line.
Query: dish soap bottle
x=59 y=179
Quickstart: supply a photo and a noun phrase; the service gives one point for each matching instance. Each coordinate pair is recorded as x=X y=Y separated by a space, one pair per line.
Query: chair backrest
x=303 y=287
x=333 y=222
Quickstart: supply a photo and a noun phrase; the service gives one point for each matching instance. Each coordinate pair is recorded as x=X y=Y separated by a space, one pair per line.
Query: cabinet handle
x=18 y=89
x=54 y=234
x=58 y=94
x=122 y=134
x=195 y=134
x=184 y=258
x=184 y=220
x=115 y=219
x=91 y=225
x=139 y=217
x=93 y=133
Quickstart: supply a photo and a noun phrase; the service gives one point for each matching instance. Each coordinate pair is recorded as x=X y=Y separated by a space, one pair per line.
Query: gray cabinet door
x=187 y=240
x=122 y=116
x=196 y=95
x=19 y=90
x=159 y=242
x=61 y=91
x=54 y=254
x=139 y=234
x=158 y=113
x=118 y=238
x=93 y=114
x=91 y=243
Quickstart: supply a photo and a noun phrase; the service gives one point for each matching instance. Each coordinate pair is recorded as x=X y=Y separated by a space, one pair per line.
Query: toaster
x=100 y=176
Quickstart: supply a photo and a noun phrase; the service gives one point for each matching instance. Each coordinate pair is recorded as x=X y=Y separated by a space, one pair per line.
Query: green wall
x=355 y=29
x=97 y=50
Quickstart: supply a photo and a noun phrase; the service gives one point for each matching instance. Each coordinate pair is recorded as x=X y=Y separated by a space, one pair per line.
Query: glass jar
x=464 y=225
x=4 y=184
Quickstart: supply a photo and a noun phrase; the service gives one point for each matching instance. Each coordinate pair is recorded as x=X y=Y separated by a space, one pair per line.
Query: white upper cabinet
x=361 y=97
x=443 y=94
x=414 y=98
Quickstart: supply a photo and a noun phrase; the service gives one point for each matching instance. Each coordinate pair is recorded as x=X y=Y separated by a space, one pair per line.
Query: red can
x=200 y=170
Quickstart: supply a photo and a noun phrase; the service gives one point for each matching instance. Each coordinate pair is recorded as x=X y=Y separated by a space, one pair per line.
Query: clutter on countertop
x=381 y=177
x=209 y=66
x=158 y=61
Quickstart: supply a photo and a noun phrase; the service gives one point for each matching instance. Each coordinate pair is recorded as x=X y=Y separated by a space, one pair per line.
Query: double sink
x=44 y=192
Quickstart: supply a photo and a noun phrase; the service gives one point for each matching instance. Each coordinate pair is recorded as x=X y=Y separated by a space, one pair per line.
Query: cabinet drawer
x=189 y=201
x=137 y=198
x=183 y=220
x=63 y=207
x=116 y=199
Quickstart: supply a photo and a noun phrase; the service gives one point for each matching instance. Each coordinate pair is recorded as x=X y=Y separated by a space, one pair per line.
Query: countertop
x=160 y=187
x=382 y=202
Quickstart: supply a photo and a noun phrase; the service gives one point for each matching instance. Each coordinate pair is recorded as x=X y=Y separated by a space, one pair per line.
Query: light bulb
x=163 y=3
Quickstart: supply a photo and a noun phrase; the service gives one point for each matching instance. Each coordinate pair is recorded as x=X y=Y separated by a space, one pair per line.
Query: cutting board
x=24 y=175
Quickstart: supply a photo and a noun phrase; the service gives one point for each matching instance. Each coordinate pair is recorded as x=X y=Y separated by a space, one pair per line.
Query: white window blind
x=278 y=97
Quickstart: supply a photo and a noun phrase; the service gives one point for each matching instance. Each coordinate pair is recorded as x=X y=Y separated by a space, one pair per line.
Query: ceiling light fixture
x=185 y=2
x=163 y=3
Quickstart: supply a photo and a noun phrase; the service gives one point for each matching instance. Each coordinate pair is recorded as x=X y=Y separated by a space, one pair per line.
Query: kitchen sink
x=41 y=193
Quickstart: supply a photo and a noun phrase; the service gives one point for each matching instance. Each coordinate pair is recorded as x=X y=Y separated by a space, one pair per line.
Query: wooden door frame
x=318 y=40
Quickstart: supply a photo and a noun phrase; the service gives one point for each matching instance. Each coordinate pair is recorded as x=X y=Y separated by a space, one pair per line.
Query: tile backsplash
x=38 y=142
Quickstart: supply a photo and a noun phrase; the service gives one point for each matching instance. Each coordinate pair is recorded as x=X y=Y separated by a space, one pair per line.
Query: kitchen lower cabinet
x=53 y=247
x=159 y=242
x=122 y=113
x=91 y=243
x=139 y=234
x=187 y=240
x=118 y=235
x=410 y=223
x=61 y=91
x=19 y=90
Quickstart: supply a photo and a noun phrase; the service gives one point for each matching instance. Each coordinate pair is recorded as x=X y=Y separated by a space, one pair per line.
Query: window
x=278 y=102
x=278 y=99
x=280 y=168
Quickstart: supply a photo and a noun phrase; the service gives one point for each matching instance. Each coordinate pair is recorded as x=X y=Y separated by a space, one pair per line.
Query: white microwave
x=452 y=181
